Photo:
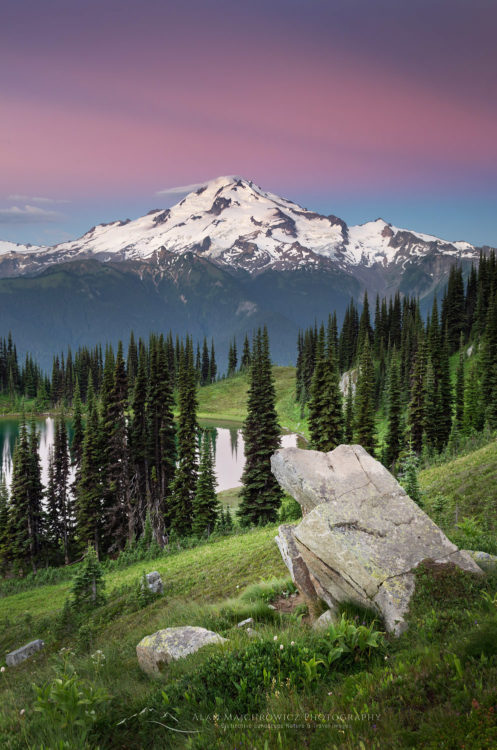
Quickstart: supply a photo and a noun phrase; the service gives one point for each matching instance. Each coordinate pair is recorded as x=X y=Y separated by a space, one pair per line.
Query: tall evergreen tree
x=89 y=489
x=349 y=413
x=395 y=431
x=364 y=427
x=325 y=405
x=205 y=503
x=185 y=480
x=25 y=517
x=260 y=493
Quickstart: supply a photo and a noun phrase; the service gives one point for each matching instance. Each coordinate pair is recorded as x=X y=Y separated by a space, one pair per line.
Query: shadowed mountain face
x=224 y=260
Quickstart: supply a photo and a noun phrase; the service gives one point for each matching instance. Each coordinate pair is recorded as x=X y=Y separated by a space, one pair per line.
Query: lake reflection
x=227 y=440
x=230 y=452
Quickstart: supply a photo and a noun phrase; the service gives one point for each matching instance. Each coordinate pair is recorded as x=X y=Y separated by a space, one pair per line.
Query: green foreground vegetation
x=349 y=687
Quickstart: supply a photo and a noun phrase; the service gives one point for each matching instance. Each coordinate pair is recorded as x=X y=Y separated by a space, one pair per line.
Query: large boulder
x=157 y=650
x=361 y=536
x=23 y=653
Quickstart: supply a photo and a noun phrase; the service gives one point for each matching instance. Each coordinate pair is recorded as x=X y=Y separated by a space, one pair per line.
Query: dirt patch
x=289 y=604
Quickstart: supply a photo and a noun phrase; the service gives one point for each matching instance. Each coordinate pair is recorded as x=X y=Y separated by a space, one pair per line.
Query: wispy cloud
x=35 y=199
x=180 y=189
x=28 y=215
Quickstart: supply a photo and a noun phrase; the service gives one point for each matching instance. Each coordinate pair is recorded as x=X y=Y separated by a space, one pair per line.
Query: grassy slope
x=469 y=481
x=422 y=696
x=227 y=399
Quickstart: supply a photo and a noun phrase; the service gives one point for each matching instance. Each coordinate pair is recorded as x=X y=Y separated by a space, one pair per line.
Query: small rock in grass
x=20 y=654
x=248 y=621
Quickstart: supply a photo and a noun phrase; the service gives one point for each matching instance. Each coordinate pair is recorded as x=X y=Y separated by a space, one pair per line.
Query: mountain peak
x=235 y=223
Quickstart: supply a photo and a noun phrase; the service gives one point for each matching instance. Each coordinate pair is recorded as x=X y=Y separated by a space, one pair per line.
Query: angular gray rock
x=20 y=654
x=154 y=582
x=361 y=536
x=157 y=650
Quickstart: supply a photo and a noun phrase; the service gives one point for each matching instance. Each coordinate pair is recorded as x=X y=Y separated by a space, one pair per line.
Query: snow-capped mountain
x=236 y=224
x=227 y=258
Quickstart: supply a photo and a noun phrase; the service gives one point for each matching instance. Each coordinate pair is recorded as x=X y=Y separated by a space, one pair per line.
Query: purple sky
x=353 y=107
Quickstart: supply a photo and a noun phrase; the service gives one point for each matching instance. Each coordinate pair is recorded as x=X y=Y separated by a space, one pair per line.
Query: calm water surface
x=229 y=448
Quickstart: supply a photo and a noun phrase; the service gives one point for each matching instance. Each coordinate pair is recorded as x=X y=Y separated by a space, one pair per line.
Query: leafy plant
x=68 y=707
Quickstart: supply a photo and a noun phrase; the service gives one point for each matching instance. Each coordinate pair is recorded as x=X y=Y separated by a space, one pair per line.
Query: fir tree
x=349 y=413
x=394 y=433
x=325 y=405
x=205 y=504
x=205 y=367
x=5 y=541
x=185 y=480
x=417 y=404
x=409 y=476
x=87 y=590
x=473 y=411
x=25 y=507
x=213 y=365
x=89 y=489
x=260 y=494
x=364 y=427
x=77 y=425
x=459 y=400
x=245 y=363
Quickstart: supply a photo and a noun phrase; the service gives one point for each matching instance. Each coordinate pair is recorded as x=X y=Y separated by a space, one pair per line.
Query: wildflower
x=330 y=693
x=22 y=711
x=386 y=657
x=275 y=638
x=281 y=647
x=2 y=669
x=292 y=643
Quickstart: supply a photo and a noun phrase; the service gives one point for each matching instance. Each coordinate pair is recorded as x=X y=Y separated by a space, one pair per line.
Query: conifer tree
x=245 y=362
x=364 y=427
x=431 y=407
x=139 y=449
x=325 y=405
x=162 y=446
x=459 y=400
x=349 y=413
x=116 y=508
x=394 y=433
x=132 y=363
x=260 y=493
x=5 y=541
x=409 y=476
x=77 y=425
x=185 y=480
x=59 y=499
x=25 y=517
x=213 y=365
x=87 y=590
x=473 y=411
x=89 y=489
x=205 y=367
x=232 y=358
x=417 y=403
x=205 y=504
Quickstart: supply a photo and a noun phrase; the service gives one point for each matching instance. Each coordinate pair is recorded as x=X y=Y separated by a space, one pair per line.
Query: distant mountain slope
x=226 y=258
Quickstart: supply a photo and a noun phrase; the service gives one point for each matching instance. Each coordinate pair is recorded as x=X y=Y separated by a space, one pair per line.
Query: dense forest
x=137 y=468
x=397 y=384
x=401 y=387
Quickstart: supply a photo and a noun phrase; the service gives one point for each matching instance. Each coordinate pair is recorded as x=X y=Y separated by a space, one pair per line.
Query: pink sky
x=120 y=100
